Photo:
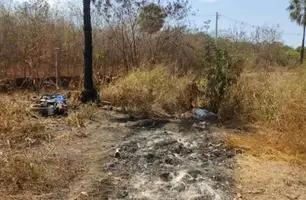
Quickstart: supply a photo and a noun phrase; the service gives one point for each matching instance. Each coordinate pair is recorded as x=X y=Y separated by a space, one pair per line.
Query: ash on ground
x=160 y=164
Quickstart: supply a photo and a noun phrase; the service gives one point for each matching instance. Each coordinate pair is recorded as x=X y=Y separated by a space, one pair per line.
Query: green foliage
x=223 y=73
x=297 y=11
x=287 y=48
x=298 y=49
x=152 y=18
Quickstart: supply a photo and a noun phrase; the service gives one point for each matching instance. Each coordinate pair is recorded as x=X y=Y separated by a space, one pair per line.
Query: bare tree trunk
x=89 y=93
x=303 y=44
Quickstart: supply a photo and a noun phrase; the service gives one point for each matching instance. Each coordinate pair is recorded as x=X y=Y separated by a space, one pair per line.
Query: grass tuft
x=150 y=92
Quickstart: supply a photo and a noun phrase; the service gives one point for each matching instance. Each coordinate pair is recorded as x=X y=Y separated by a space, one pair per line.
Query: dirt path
x=94 y=149
x=260 y=179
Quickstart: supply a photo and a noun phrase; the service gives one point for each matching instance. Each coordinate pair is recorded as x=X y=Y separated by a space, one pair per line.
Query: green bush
x=224 y=71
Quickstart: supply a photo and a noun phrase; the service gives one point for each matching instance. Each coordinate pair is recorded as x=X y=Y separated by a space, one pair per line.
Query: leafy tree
x=288 y=48
x=152 y=18
x=297 y=11
x=224 y=71
x=298 y=49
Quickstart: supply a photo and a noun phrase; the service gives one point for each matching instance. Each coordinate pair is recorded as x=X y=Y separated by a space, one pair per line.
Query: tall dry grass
x=28 y=165
x=150 y=92
x=276 y=103
x=17 y=126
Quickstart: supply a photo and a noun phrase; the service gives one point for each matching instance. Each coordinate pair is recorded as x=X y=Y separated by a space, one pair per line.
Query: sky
x=234 y=12
x=258 y=13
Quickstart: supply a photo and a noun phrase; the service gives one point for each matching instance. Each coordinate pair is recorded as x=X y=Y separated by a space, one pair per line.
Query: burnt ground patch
x=155 y=163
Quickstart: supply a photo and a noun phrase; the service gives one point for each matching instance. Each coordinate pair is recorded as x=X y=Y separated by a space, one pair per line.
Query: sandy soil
x=259 y=179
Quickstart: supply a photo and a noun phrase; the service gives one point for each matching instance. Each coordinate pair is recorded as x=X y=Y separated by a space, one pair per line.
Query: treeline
x=127 y=34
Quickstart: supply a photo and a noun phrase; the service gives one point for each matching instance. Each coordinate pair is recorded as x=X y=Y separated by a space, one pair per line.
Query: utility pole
x=56 y=68
x=217 y=20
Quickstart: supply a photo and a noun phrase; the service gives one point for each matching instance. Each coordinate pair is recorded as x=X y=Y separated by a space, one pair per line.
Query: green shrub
x=224 y=71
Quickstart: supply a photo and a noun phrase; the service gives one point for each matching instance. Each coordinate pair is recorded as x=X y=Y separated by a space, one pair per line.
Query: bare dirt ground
x=115 y=157
x=154 y=160
x=259 y=179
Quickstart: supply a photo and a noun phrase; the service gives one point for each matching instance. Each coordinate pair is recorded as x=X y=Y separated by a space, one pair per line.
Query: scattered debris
x=117 y=154
x=50 y=105
x=84 y=193
x=200 y=125
x=203 y=113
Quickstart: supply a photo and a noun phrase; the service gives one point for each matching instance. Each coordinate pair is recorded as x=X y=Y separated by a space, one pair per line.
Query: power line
x=254 y=26
x=239 y=21
x=217 y=20
x=219 y=16
x=206 y=15
x=293 y=34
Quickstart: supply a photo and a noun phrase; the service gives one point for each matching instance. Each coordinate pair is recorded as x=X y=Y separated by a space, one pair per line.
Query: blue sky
x=253 y=12
x=259 y=12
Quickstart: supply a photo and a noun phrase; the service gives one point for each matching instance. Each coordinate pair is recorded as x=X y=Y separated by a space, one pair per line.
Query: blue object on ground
x=55 y=105
x=60 y=98
x=203 y=113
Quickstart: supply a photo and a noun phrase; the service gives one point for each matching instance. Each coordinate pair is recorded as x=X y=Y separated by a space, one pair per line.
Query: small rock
x=239 y=151
x=124 y=193
x=122 y=124
x=117 y=154
x=84 y=193
x=166 y=176
x=239 y=186
x=179 y=187
x=150 y=157
x=257 y=191
x=239 y=196
x=293 y=196
x=194 y=173
x=217 y=153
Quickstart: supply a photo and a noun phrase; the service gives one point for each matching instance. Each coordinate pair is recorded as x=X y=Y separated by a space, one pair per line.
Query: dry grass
x=80 y=118
x=150 y=92
x=27 y=170
x=275 y=102
x=35 y=173
x=16 y=125
x=18 y=173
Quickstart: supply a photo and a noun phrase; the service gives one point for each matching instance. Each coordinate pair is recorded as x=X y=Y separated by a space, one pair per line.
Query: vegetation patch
x=150 y=92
